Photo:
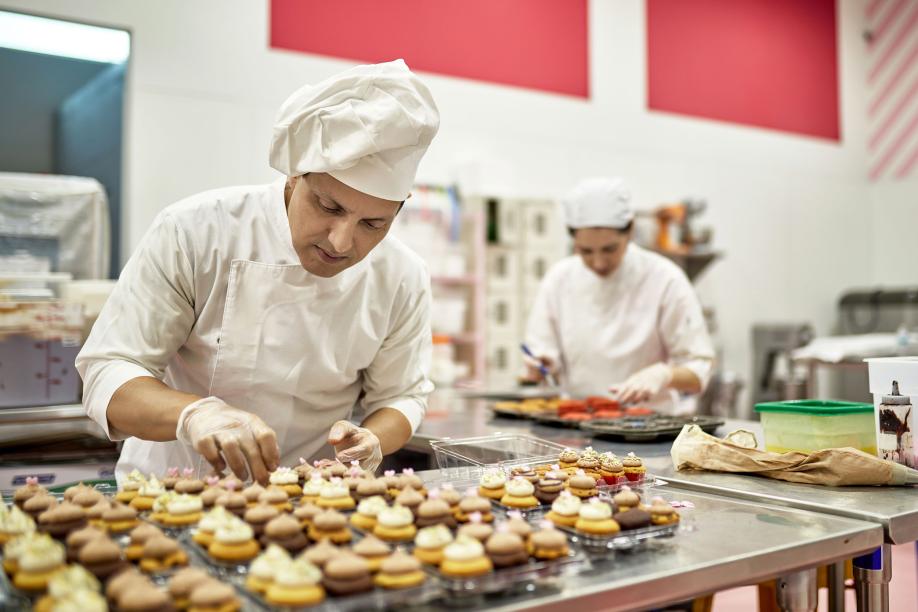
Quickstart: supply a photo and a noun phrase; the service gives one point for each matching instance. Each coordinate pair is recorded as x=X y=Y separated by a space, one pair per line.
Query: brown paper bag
x=696 y=450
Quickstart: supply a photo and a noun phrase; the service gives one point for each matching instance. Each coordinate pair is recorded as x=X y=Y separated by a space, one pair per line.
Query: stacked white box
x=503 y=273
x=503 y=312
x=504 y=359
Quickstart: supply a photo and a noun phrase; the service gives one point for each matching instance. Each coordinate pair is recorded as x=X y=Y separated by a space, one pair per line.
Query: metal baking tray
x=648 y=428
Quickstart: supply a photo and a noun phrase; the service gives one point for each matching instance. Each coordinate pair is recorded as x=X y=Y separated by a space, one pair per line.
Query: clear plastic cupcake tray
x=623 y=540
x=507 y=579
x=466 y=459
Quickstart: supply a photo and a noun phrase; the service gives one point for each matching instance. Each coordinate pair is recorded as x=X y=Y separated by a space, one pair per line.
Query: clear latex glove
x=643 y=384
x=353 y=443
x=224 y=435
x=540 y=369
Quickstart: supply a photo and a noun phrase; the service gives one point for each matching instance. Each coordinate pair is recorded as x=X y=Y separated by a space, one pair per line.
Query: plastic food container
x=465 y=459
x=812 y=425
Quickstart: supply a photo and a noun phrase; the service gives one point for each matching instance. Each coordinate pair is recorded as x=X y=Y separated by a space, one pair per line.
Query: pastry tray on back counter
x=648 y=428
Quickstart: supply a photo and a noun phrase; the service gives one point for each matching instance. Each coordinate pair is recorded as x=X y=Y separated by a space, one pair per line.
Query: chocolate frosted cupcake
x=251 y=493
x=373 y=550
x=37 y=504
x=139 y=536
x=347 y=574
x=94 y=513
x=233 y=502
x=370 y=487
x=451 y=496
x=548 y=490
x=322 y=553
x=626 y=499
x=189 y=485
x=214 y=595
x=476 y=528
x=506 y=549
x=434 y=511
x=410 y=498
x=286 y=532
x=87 y=498
x=102 y=557
x=60 y=520
x=258 y=516
x=183 y=582
x=170 y=478
x=305 y=513
x=28 y=491
x=635 y=518
x=79 y=538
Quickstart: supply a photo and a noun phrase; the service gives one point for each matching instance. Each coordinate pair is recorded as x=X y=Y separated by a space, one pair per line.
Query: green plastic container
x=812 y=425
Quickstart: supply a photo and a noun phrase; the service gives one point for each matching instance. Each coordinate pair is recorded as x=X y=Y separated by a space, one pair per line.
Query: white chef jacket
x=600 y=330
x=362 y=335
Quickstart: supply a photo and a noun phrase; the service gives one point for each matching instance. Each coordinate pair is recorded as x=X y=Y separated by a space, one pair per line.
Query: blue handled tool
x=543 y=369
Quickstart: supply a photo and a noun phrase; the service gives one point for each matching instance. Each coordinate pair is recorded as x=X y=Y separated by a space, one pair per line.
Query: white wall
x=788 y=211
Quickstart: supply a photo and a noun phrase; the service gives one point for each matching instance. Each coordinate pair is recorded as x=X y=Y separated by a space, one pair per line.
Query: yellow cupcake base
x=120 y=526
x=32 y=582
x=142 y=504
x=153 y=566
x=464 y=569
x=294 y=596
x=395 y=534
x=203 y=538
x=125 y=497
x=519 y=502
x=430 y=556
x=339 y=503
x=583 y=493
x=362 y=521
x=342 y=536
x=293 y=490
x=401 y=581
x=603 y=527
x=560 y=519
x=492 y=493
x=256 y=584
x=244 y=551
x=177 y=520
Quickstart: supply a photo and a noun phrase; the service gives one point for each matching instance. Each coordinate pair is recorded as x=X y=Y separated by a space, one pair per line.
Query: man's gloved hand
x=643 y=384
x=353 y=443
x=539 y=370
x=212 y=427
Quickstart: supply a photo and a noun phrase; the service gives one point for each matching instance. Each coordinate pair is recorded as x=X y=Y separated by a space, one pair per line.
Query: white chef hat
x=368 y=127
x=598 y=202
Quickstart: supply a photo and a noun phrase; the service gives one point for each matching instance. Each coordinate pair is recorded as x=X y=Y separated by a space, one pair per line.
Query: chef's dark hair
x=624 y=230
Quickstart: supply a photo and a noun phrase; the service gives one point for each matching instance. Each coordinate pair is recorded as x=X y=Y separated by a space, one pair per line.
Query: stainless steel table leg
x=797 y=591
x=871 y=580
x=836 y=580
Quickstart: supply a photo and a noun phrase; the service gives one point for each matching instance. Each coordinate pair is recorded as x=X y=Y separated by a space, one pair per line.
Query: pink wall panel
x=766 y=63
x=537 y=44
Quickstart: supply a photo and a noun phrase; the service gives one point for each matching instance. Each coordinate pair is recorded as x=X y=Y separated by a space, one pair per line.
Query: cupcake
x=430 y=542
x=213 y=491
x=548 y=543
x=213 y=596
x=472 y=502
x=14 y=523
x=330 y=524
x=409 y=479
x=661 y=513
x=161 y=553
x=565 y=510
x=626 y=499
x=633 y=518
x=36 y=505
x=123 y=582
x=393 y=482
x=79 y=538
x=277 y=497
x=518 y=525
x=493 y=484
x=336 y=469
x=265 y=567
x=94 y=513
x=234 y=502
x=303 y=470
x=159 y=510
x=13 y=549
x=129 y=489
x=313 y=488
x=321 y=553
x=207 y=526
x=395 y=524
x=634 y=468
x=87 y=498
x=558 y=473
x=336 y=495
x=28 y=491
x=296 y=584
x=251 y=494
x=188 y=484
x=305 y=513
x=102 y=557
x=451 y=496
x=139 y=536
x=233 y=542
x=147 y=494
x=611 y=469
x=60 y=520
x=525 y=472
x=596 y=519
x=410 y=498
x=399 y=571
x=183 y=582
x=520 y=494
x=288 y=480
x=547 y=490
x=435 y=511
x=183 y=510
x=258 y=516
x=373 y=550
x=506 y=549
x=476 y=528
x=285 y=531
x=367 y=511
x=170 y=478
x=72 y=588
x=347 y=574
x=119 y=519
x=74 y=490
x=465 y=558
x=590 y=466
x=582 y=485
x=40 y=559
x=568 y=458
x=231 y=483
x=143 y=596
x=370 y=487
